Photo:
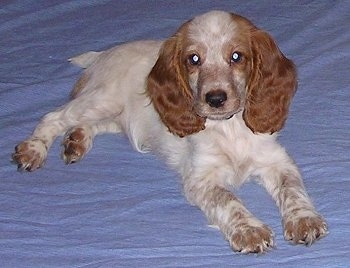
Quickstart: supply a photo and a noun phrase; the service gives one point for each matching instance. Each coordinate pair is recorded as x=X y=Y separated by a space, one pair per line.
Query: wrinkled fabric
x=119 y=208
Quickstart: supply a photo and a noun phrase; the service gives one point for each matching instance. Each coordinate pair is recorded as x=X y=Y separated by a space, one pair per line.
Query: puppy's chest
x=236 y=148
x=235 y=145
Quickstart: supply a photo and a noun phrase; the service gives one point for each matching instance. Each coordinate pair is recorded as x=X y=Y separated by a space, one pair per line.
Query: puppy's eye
x=236 y=57
x=194 y=59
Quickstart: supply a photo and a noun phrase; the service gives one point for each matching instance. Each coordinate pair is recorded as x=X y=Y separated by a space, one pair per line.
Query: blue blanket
x=118 y=208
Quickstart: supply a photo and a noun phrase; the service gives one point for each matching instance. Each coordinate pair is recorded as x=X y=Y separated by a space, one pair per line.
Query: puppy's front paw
x=252 y=239
x=30 y=155
x=305 y=229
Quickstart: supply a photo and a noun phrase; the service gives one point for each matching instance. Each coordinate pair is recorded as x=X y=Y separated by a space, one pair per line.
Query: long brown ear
x=168 y=88
x=271 y=86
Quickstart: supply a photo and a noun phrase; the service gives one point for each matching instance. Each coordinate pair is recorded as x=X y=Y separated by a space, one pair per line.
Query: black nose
x=216 y=98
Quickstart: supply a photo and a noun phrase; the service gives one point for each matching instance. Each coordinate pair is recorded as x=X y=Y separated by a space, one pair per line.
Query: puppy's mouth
x=220 y=115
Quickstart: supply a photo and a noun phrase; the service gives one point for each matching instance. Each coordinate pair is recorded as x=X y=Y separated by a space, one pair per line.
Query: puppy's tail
x=86 y=59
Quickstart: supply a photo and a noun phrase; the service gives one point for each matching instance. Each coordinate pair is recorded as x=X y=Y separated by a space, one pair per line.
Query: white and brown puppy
x=209 y=100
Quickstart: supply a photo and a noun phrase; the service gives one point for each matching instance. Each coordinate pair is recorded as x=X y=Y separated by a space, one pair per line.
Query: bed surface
x=120 y=208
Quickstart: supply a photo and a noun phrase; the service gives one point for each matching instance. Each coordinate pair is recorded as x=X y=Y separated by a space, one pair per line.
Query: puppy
x=210 y=101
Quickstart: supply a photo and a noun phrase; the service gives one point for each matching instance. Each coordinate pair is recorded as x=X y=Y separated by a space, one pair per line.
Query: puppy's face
x=216 y=54
x=217 y=65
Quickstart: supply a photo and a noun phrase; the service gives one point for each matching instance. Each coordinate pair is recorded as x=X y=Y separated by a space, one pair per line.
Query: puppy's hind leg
x=31 y=153
x=78 y=141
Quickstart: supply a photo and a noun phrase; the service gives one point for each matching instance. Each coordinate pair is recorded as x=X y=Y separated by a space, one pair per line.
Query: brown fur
x=170 y=93
x=271 y=86
x=74 y=145
x=80 y=85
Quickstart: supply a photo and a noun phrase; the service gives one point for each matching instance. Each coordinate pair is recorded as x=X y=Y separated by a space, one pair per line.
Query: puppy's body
x=120 y=91
x=131 y=112
x=203 y=111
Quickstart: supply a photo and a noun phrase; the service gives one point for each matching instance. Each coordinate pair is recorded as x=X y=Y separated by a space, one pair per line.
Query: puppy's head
x=215 y=66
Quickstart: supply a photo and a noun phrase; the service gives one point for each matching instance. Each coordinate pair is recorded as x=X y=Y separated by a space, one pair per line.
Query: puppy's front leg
x=302 y=224
x=244 y=232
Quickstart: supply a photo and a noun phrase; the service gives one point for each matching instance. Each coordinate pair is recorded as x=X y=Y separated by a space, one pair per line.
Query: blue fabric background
x=118 y=208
